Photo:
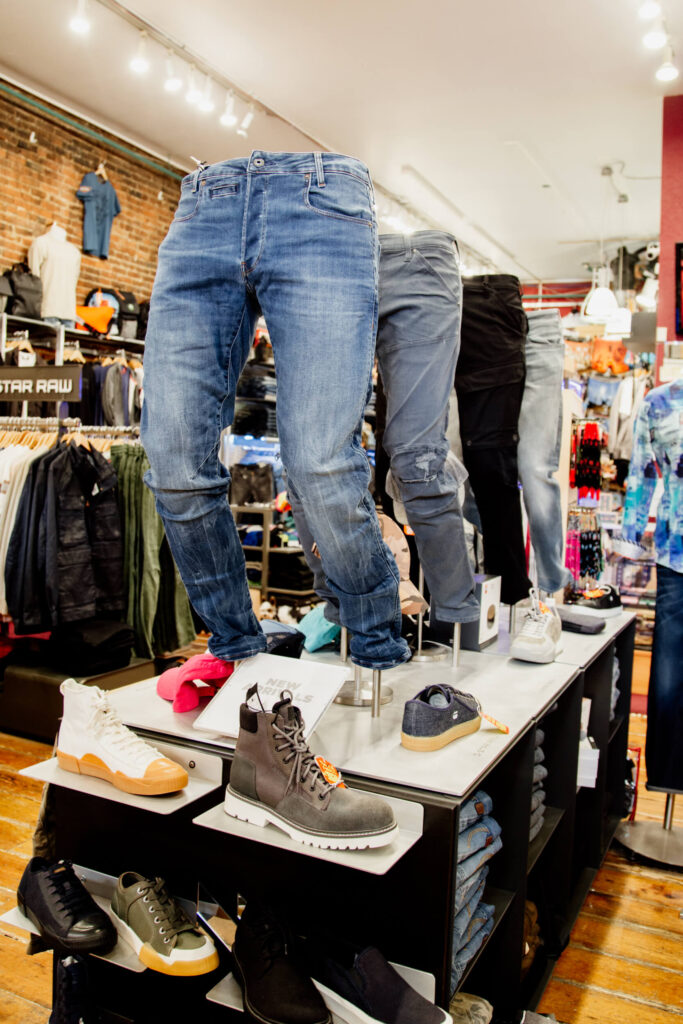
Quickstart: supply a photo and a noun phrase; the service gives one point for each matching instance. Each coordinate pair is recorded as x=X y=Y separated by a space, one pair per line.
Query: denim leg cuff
x=403 y=654
x=464 y=614
x=551 y=586
x=247 y=647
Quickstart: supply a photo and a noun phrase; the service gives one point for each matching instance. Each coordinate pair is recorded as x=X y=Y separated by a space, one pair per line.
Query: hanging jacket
x=80 y=535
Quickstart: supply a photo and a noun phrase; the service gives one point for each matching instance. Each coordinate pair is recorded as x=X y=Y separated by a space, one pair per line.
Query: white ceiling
x=489 y=102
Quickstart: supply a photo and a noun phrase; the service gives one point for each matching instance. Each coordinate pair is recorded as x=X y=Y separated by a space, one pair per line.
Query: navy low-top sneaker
x=438 y=715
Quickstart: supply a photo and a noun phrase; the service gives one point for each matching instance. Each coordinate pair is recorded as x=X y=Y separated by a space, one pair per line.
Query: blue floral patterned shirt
x=658 y=445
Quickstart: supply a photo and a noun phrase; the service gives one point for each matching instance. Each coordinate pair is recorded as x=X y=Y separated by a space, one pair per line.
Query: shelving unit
x=265 y=550
x=407 y=909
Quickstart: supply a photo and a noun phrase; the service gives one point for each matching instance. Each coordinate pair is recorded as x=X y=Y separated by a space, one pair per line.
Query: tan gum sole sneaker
x=161 y=776
x=180 y=968
x=443 y=739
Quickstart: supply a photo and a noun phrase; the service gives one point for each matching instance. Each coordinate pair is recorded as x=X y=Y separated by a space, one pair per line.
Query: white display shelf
x=204 y=771
x=507 y=690
x=122 y=954
x=409 y=817
x=578 y=649
x=228 y=993
x=513 y=692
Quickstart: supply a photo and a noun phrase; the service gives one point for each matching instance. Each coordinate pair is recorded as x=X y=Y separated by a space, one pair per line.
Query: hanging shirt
x=57 y=263
x=658 y=445
x=100 y=206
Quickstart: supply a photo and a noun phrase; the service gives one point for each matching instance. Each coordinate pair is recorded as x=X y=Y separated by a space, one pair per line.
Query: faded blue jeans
x=292 y=236
x=540 y=440
x=418 y=341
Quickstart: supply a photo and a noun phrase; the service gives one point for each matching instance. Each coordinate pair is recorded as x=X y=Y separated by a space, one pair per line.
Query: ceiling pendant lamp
x=667 y=70
x=243 y=129
x=656 y=38
x=173 y=82
x=229 y=118
x=80 y=22
x=139 y=64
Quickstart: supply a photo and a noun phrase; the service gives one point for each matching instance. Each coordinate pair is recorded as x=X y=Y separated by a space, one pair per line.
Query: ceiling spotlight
x=243 y=129
x=228 y=118
x=139 y=63
x=194 y=93
x=656 y=38
x=667 y=70
x=206 y=104
x=173 y=81
x=649 y=10
x=80 y=22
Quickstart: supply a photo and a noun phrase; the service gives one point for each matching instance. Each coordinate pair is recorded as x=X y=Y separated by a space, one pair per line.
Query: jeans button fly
x=259 y=161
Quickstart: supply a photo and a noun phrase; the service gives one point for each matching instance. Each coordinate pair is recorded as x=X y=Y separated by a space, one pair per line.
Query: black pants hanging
x=489 y=382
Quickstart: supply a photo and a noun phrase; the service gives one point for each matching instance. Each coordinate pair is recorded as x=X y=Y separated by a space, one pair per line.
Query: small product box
x=475 y=636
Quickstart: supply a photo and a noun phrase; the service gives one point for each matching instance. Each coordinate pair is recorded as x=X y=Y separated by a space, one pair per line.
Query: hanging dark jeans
x=664 y=741
x=489 y=382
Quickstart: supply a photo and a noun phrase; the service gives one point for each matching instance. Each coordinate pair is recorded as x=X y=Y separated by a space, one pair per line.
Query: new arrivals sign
x=25 y=383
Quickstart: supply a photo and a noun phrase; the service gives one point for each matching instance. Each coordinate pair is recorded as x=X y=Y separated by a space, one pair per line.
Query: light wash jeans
x=540 y=440
x=418 y=341
x=464 y=916
x=466 y=868
x=484 y=919
x=466 y=890
x=292 y=236
x=476 y=837
x=474 y=808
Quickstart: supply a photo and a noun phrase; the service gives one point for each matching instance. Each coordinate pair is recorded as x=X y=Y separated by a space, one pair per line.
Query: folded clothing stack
x=478 y=841
x=538 y=791
x=616 y=671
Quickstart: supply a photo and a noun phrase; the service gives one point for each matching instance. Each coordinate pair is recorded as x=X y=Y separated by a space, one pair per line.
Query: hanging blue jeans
x=664 y=739
x=292 y=236
x=540 y=439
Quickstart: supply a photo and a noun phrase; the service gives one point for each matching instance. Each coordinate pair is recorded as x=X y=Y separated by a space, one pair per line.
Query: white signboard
x=313 y=687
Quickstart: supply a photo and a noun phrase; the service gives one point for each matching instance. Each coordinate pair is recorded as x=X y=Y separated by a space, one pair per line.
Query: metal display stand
x=662 y=843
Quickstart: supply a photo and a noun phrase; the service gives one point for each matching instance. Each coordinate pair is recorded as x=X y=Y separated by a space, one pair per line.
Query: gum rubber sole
x=442 y=740
x=93 y=766
x=148 y=956
x=242 y=808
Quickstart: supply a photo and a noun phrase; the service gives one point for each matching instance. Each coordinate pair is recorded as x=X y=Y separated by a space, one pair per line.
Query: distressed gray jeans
x=418 y=340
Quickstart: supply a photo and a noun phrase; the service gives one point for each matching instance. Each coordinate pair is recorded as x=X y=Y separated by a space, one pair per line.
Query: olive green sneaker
x=158 y=929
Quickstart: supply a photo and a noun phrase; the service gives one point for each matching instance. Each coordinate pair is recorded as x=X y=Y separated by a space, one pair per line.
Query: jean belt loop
x=195 y=178
x=408 y=247
x=319 y=169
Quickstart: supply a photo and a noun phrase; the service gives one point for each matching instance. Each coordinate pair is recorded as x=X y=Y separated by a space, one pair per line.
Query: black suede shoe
x=364 y=986
x=275 y=989
x=62 y=909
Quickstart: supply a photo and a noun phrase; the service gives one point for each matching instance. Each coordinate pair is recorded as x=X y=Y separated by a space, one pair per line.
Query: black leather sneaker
x=62 y=909
x=603 y=601
x=275 y=989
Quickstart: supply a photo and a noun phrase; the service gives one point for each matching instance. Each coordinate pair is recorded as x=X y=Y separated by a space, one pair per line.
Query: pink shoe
x=180 y=684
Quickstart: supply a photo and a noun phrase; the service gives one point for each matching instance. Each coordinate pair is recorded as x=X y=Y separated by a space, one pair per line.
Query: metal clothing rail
x=54 y=422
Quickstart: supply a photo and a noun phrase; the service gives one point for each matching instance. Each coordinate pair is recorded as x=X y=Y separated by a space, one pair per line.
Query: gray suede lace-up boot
x=275 y=778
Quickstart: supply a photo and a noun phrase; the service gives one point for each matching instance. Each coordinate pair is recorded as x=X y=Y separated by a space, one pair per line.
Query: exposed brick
x=38 y=185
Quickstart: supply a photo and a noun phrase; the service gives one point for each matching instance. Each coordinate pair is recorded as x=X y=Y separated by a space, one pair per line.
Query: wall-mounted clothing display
x=100 y=206
x=57 y=263
x=418 y=340
x=308 y=261
x=540 y=440
x=489 y=382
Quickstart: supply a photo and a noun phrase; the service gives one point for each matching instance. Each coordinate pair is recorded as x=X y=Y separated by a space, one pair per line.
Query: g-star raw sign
x=22 y=383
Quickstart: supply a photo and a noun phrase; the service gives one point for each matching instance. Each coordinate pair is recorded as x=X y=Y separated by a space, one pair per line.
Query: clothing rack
x=70 y=423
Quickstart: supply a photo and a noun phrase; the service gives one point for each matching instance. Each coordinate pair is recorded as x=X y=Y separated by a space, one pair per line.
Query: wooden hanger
x=23 y=344
x=101 y=171
x=73 y=354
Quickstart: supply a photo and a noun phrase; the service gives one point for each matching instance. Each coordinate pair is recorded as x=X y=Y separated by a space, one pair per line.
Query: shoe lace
x=108 y=726
x=169 y=914
x=535 y=619
x=272 y=940
x=304 y=766
x=70 y=894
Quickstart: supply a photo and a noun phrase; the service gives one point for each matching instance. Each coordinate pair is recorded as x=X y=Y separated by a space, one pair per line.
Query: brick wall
x=38 y=184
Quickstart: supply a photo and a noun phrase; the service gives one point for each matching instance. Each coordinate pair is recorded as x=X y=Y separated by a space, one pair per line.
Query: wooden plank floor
x=622 y=966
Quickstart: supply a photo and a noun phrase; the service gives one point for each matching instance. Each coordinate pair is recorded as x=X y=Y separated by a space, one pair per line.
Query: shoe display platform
x=400 y=897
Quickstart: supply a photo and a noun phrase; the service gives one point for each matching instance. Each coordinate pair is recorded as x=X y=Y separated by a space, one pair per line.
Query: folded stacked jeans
x=478 y=841
x=538 y=792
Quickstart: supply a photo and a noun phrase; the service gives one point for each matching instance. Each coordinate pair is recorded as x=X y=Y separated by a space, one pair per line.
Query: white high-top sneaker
x=93 y=741
x=540 y=637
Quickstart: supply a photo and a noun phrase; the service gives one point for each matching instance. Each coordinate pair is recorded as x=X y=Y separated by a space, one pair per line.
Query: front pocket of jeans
x=343 y=197
x=448 y=278
x=187 y=206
